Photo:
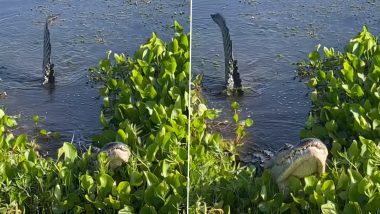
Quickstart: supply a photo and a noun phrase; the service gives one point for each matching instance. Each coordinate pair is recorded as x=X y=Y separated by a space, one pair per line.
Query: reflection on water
x=268 y=37
x=80 y=36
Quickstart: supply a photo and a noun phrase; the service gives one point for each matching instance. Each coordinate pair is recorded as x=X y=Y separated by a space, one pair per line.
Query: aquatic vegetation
x=345 y=112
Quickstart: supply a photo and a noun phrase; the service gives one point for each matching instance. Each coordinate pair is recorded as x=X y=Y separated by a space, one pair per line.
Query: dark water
x=80 y=37
x=268 y=37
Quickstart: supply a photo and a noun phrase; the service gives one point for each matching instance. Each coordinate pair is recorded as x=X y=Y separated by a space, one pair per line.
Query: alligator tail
x=47 y=66
x=232 y=76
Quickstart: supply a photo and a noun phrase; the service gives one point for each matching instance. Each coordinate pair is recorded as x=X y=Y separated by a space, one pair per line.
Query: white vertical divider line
x=189 y=113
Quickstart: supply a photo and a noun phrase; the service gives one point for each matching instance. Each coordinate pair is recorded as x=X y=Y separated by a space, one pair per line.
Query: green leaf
x=329 y=208
x=10 y=122
x=314 y=56
x=86 y=182
x=122 y=135
x=328 y=186
x=364 y=186
x=342 y=181
x=105 y=184
x=165 y=168
x=103 y=120
x=310 y=183
x=353 y=151
x=236 y=118
x=155 y=117
x=120 y=59
x=21 y=141
x=294 y=184
x=184 y=41
x=235 y=105
x=312 y=82
x=248 y=122
x=57 y=192
x=373 y=203
x=151 y=178
x=178 y=27
x=136 y=179
x=2 y=114
x=352 y=207
x=348 y=72
x=123 y=191
x=69 y=151
x=36 y=119
x=123 y=188
x=148 y=210
x=127 y=210
x=151 y=151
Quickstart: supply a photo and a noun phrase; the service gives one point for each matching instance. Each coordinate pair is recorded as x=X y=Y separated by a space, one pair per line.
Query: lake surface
x=268 y=38
x=80 y=37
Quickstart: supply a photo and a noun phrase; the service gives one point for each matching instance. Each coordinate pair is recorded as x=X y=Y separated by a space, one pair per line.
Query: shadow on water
x=268 y=38
x=80 y=37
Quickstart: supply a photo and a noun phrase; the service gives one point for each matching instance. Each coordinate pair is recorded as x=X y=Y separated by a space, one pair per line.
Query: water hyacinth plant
x=345 y=112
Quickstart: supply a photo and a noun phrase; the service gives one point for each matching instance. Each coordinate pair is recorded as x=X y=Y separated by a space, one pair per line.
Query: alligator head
x=117 y=153
x=306 y=158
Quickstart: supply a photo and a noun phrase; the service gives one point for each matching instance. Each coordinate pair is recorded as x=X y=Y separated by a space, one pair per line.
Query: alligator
x=232 y=76
x=306 y=158
x=117 y=153
x=47 y=66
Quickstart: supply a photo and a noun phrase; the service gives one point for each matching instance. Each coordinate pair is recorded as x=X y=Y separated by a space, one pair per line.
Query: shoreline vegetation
x=146 y=104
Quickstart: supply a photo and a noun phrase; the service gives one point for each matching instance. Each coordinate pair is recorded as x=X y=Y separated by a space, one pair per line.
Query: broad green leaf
x=105 y=184
x=127 y=210
x=69 y=151
x=136 y=179
x=86 y=182
x=248 y=122
x=352 y=207
x=178 y=27
x=348 y=72
x=235 y=105
x=148 y=210
x=151 y=178
x=1 y=113
x=329 y=208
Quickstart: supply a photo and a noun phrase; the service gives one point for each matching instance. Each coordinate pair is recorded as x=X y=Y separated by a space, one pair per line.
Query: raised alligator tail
x=232 y=76
x=47 y=67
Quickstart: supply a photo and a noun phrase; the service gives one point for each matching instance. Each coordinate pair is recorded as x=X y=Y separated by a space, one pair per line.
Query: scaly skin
x=47 y=66
x=307 y=158
x=232 y=76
